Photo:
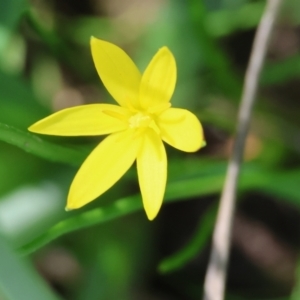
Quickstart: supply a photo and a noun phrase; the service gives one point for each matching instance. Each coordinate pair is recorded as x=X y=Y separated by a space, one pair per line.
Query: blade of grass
x=282 y=71
x=199 y=240
x=206 y=182
x=217 y=62
x=287 y=191
x=177 y=190
x=41 y=147
x=296 y=290
x=224 y=22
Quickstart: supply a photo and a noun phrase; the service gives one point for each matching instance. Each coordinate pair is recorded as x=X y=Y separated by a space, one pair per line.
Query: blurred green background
x=108 y=249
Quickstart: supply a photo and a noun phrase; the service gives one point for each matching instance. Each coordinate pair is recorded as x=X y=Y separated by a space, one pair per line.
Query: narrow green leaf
x=59 y=48
x=40 y=146
x=204 y=184
x=282 y=71
x=199 y=240
x=215 y=58
x=286 y=186
x=18 y=279
x=11 y=11
x=296 y=290
x=9 y=14
x=221 y=23
x=194 y=178
x=19 y=106
x=95 y=216
x=208 y=180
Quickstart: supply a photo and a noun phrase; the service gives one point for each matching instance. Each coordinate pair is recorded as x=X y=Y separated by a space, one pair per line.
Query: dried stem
x=214 y=286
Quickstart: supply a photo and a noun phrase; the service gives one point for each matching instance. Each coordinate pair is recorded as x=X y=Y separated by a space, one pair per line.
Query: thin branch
x=214 y=286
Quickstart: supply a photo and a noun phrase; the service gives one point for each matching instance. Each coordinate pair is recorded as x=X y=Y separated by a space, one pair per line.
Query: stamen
x=139 y=120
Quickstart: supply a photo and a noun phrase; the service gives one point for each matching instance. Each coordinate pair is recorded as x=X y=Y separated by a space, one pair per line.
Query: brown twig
x=214 y=286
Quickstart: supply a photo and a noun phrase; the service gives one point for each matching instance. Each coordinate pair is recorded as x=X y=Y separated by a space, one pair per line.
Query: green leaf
x=34 y=144
x=9 y=15
x=283 y=185
x=19 y=106
x=282 y=71
x=296 y=289
x=18 y=279
x=200 y=179
x=60 y=48
x=193 y=178
x=217 y=62
x=221 y=23
x=209 y=180
x=11 y=11
x=199 y=240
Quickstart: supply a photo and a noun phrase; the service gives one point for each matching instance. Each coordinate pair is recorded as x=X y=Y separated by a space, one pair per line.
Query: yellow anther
x=139 y=120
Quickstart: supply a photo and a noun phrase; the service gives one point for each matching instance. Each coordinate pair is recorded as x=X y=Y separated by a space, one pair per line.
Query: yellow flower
x=137 y=127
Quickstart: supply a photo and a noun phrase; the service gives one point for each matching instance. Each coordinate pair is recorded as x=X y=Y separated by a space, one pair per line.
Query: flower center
x=139 y=120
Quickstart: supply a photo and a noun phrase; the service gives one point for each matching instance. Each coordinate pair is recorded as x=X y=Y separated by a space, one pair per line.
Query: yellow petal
x=117 y=71
x=181 y=129
x=158 y=80
x=82 y=120
x=103 y=168
x=152 y=172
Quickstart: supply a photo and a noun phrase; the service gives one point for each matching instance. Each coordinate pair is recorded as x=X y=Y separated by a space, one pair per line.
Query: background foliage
x=108 y=250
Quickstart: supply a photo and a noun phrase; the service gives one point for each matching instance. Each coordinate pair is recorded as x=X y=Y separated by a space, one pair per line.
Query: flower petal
x=103 y=168
x=158 y=80
x=152 y=172
x=117 y=71
x=89 y=119
x=181 y=129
